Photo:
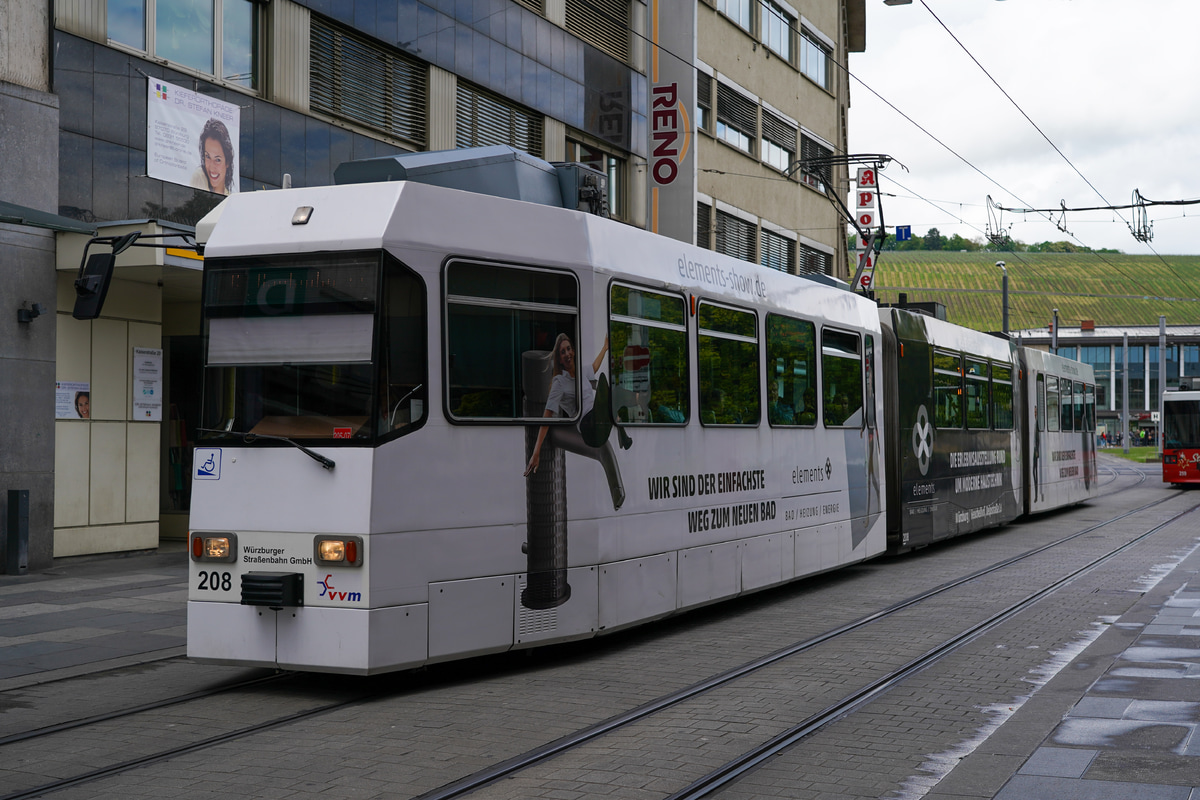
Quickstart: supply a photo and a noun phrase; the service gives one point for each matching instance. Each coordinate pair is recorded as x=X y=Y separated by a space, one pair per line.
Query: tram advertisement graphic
x=554 y=387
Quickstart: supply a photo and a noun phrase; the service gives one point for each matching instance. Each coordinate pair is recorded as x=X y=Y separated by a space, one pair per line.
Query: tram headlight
x=338 y=551
x=214 y=547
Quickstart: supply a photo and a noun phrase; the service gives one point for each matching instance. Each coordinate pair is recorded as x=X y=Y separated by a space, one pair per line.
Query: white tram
x=382 y=362
x=1060 y=430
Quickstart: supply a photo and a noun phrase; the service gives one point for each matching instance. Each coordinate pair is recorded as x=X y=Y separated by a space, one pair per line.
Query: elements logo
x=922 y=440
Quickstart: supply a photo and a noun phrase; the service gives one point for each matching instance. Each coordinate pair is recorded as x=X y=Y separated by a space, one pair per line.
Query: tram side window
x=1039 y=404
x=648 y=336
x=1079 y=408
x=791 y=371
x=947 y=390
x=1052 y=417
x=1090 y=407
x=842 y=379
x=1064 y=386
x=977 y=393
x=502 y=326
x=1002 y=397
x=727 y=341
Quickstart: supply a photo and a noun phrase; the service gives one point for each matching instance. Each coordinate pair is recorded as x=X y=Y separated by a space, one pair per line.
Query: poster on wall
x=72 y=400
x=147 y=384
x=191 y=138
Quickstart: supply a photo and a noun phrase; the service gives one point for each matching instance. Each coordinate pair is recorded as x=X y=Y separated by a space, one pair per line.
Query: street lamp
x=1004 y=316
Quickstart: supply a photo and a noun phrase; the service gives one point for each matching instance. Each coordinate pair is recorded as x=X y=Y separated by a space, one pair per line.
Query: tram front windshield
x=324 y=347
x=1181 y=425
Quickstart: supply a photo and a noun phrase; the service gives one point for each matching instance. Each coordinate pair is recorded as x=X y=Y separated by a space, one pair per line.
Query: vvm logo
x=327 y=590
x=670 y=130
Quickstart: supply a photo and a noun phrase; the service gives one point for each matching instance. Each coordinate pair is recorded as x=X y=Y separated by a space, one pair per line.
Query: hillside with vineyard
x=1111 y=289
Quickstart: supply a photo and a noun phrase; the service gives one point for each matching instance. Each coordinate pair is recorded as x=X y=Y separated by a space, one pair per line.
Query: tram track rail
x=539 y=755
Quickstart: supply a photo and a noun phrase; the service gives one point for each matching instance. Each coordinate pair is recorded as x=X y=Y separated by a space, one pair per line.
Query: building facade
x=312 y=84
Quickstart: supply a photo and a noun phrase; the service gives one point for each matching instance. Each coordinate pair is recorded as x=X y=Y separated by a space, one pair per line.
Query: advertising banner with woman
x=191 y=139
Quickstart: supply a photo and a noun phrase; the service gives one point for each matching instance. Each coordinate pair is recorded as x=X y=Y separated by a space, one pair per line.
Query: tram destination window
x=791 y=371
x=977 y=393
x=502 y=326
x=305 y=348
x=728 y=364
x=1181 y=424
x=648 y=354
x=842 y=379
x=1002 y=397
x=947 y=390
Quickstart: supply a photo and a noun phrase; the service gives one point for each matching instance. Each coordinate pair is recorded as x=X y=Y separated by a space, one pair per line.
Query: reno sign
x=670 y=132
x=672 y=184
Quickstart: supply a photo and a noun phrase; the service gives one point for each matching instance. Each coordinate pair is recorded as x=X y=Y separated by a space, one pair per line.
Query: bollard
x=16 y=540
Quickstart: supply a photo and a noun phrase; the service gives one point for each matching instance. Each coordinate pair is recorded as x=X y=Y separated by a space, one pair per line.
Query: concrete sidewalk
x=91 y=613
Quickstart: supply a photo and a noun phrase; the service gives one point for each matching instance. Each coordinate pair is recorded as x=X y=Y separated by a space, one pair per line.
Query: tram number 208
x=215 y=581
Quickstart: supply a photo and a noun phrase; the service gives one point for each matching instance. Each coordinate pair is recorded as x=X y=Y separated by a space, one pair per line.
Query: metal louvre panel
x=484 y=119
x=736 y=110
x=361 y=81
x=780 y=132
x=533 y=5
x=703 y=90
x=811 y=149
x=735 y=237
x=814 y=262
x=777 y=251
x=703 y=226
x=601 y=23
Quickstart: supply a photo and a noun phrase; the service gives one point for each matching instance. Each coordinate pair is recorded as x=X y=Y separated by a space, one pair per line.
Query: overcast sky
x=1114 y=84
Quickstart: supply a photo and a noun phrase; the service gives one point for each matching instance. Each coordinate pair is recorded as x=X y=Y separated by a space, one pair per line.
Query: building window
x=214 y=37
x=735 y=237
x=814 y=261
x=601 y=23
x=814 y=59
x=817 y=171
x=703 y=102
x=354 y=78
x=704 y=226
x=486 y=119
x=610 y=165
x=777 y=26
x=778 y=252
x=1099 y=357
x=736 y=10
x=778 y=141
x=737 y=118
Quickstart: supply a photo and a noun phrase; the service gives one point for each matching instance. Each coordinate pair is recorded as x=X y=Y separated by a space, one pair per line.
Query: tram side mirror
x=92 y=286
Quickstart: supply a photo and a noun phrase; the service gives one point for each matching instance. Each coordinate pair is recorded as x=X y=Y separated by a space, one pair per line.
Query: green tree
x=934 y=240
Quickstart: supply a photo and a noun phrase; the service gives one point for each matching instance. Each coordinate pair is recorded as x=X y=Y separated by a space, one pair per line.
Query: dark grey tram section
x=1123 y=717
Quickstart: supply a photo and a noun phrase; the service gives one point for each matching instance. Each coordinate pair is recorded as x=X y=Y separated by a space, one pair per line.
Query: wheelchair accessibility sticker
x=207 y=464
